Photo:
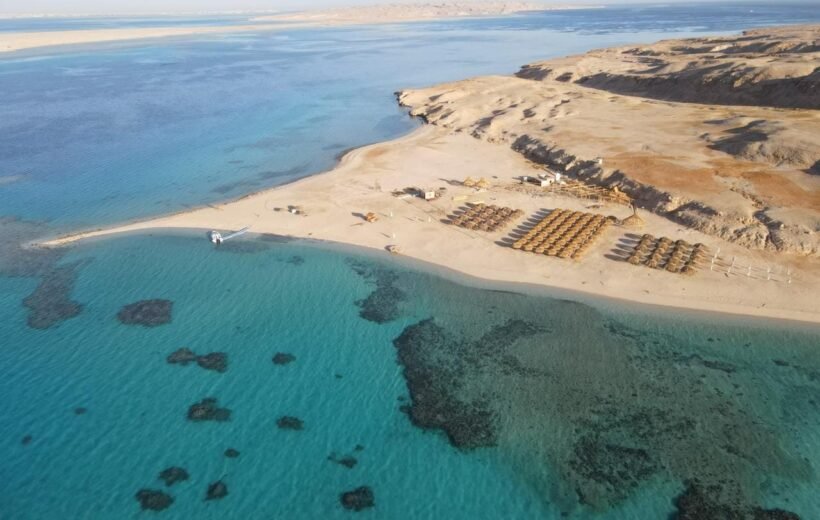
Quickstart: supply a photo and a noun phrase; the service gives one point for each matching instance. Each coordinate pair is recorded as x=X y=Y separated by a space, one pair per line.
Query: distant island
x=390 y=13
x=682 y=173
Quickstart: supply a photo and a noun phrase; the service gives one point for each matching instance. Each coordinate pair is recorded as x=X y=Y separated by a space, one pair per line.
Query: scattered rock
x=153 y=500
x=358 y=499
x=699 y=502
x=26 y=440
x=216 y=491
x=282 y=358
x=173 y=475
x=148 y=313
x=217 y=361
x=207 y=410
x=347 y=461
x=231 y=453
x=182 y=356
x=287 y=422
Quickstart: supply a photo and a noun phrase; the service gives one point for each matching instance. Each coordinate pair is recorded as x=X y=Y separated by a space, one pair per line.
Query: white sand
x=430 y=157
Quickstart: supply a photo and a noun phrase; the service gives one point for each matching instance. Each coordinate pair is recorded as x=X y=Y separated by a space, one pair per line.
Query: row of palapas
x=564 y=233
x=662 y=253
x=484 y=217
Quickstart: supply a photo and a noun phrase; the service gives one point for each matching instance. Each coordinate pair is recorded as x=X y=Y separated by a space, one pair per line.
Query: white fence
x=734 y=267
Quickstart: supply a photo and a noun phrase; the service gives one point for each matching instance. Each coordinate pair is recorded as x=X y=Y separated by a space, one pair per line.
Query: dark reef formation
x=282 y=358
x=80 y=410
x=153 y=500
x=287 y=422
x=382 y=304
x=216 y=361
x=216 y=491
x=181 y=356
x=26 y=440
x=565 y=390
x=51 y=302
x=435 y=387
x=207 y=410
x=358 y=499
x=173 y=475
x=231 y=453
x=148 y=313
x=699 y=503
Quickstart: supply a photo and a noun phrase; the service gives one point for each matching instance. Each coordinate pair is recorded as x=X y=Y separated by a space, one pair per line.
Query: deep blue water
x=593 y=411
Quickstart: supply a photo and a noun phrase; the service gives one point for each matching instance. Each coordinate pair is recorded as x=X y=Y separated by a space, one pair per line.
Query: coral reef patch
x=216 y=361
x=382 y=305
x=50 y=303
x=358 y=499
x=287 y=422
x=173 y=475
x=282 y=358
x=216 y=491
x=148 y=313
x=207 y=410
x=153 y=500
x=231 y=453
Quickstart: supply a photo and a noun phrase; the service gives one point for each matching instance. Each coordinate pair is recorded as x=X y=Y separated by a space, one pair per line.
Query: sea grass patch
x=147 y=313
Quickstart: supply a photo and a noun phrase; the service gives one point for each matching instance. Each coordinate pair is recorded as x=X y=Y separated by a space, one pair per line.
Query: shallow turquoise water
x=297 y=298
x=593 y=411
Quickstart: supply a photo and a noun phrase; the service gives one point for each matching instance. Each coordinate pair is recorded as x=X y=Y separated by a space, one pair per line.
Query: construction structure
x=564 y=233
x=586 y=191
x=662 y=253
x=482 y=217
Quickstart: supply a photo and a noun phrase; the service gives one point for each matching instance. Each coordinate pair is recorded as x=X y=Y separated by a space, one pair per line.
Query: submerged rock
x=699 y=502
x=287 y=422
x=282 y=358
x=153 y=500
x=231 y=453
x=182 y=356
x=347 y=461
x=216 y=490
x=80 y=410
x=148 y=313
x=173 y=475
x=207 y=410
x=358 y=499
x=296 y=260
x=217 y=361
x=26 y=440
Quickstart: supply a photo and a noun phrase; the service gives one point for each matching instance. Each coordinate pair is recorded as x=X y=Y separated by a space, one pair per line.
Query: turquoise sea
x=445 y=397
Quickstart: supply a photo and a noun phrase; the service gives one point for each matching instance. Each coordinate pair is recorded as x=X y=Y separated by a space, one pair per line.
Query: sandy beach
x=333 y=205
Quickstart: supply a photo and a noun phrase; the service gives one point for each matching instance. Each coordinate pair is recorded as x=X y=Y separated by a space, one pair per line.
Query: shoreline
x=14 y=42
x=334 y=200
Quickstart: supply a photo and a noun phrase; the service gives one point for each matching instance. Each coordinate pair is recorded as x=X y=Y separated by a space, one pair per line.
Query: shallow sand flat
x=431 y=157
x=16 y=41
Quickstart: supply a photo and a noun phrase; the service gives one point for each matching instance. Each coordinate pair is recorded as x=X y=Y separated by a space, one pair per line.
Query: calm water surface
x=454 y=402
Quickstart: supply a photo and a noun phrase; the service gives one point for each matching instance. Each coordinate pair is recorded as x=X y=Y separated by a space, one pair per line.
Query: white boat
x=215 y=237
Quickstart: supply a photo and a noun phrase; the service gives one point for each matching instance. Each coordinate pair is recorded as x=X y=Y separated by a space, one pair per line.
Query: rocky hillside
x=773 y=67
x=749 y=174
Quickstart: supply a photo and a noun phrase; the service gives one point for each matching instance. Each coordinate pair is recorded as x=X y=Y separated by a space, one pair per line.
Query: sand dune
x=748 y=174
